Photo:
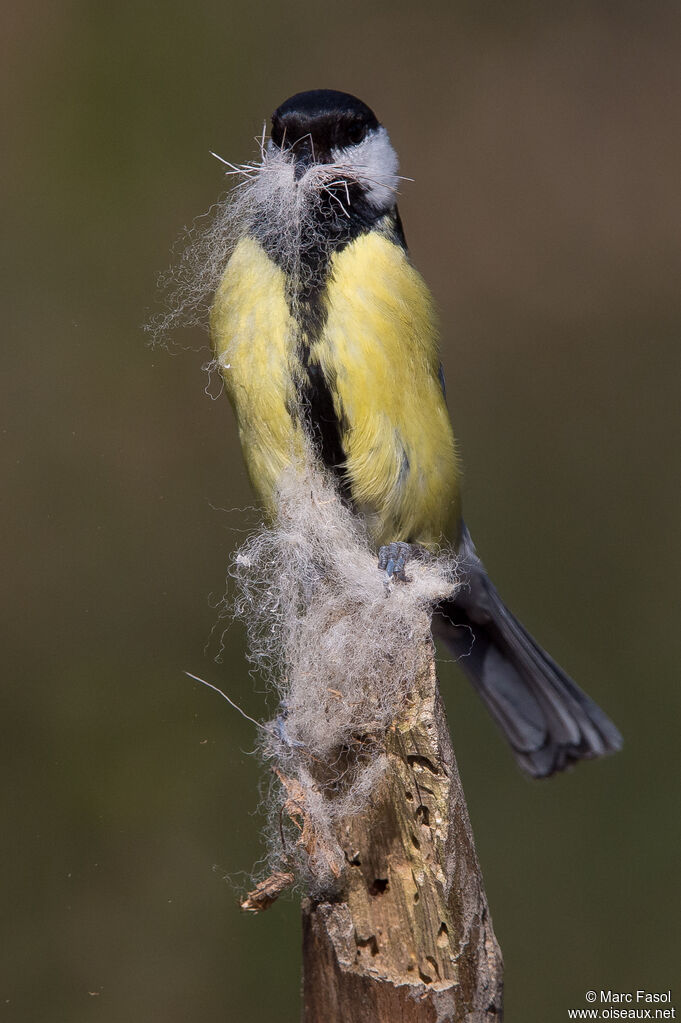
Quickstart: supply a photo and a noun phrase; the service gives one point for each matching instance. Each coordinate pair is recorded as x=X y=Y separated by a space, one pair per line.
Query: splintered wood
x=410 y=938
x=267 y=892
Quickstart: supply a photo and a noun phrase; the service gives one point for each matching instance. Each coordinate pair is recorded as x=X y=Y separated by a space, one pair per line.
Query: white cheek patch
x=374 y=164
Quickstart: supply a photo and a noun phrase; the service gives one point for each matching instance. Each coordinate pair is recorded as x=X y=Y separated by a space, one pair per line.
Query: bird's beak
x=303 y=158
x=306 y=153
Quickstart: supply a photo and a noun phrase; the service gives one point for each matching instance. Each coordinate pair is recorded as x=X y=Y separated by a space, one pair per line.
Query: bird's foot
x=393 y=558
x=280 y=730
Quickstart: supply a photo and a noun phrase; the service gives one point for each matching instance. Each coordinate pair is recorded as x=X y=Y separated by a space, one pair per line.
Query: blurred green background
x=546 y=215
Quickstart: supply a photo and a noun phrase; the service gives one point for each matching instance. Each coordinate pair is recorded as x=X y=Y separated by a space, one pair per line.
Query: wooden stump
x=410 y=938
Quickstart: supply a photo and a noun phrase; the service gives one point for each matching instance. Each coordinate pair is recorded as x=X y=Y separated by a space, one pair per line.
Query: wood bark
x=410 y=939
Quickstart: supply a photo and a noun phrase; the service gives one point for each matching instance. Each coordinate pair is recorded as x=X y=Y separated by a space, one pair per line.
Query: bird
x=327 y=336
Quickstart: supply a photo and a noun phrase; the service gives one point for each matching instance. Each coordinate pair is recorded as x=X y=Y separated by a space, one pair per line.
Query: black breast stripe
x=326 y=427
x=326 y=424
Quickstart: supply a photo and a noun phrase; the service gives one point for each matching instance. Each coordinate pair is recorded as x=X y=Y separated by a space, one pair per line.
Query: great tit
x=326 y=336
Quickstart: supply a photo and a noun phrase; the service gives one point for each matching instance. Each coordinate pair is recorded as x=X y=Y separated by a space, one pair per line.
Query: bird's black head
x=314 y=124
x=330 y=169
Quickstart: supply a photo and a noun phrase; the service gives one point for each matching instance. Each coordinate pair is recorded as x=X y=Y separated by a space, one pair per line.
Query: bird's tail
x=548 y=720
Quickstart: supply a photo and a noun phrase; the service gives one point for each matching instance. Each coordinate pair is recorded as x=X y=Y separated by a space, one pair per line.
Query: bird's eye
x=356 y=133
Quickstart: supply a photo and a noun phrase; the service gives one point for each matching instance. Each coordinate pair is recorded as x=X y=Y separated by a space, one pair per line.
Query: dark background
x=546 y=215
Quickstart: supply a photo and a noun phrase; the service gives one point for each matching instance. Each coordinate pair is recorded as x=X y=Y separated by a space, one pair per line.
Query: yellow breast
x=378 y=350
x=380 y=343
x=254 y=339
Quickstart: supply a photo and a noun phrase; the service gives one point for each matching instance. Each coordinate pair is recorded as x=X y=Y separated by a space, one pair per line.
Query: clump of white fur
x=342 y=651
x=289 y=215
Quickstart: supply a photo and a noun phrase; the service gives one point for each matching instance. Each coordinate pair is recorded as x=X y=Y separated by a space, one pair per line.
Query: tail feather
x=548 y=720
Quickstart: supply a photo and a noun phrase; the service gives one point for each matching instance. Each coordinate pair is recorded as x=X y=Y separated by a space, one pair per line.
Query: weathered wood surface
x=411 y=938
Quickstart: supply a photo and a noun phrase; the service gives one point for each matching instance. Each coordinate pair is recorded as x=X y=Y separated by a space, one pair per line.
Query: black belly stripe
x=325 y=425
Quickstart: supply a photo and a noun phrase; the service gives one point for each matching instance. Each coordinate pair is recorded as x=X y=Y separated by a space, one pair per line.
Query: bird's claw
x=280 y=729
x=393 y=558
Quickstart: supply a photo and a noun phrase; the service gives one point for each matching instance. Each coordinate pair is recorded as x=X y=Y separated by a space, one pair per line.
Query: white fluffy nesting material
x=289 y=215
x=342 y=650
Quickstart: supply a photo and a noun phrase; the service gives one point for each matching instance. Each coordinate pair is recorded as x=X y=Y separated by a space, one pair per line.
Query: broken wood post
x=409 y=939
